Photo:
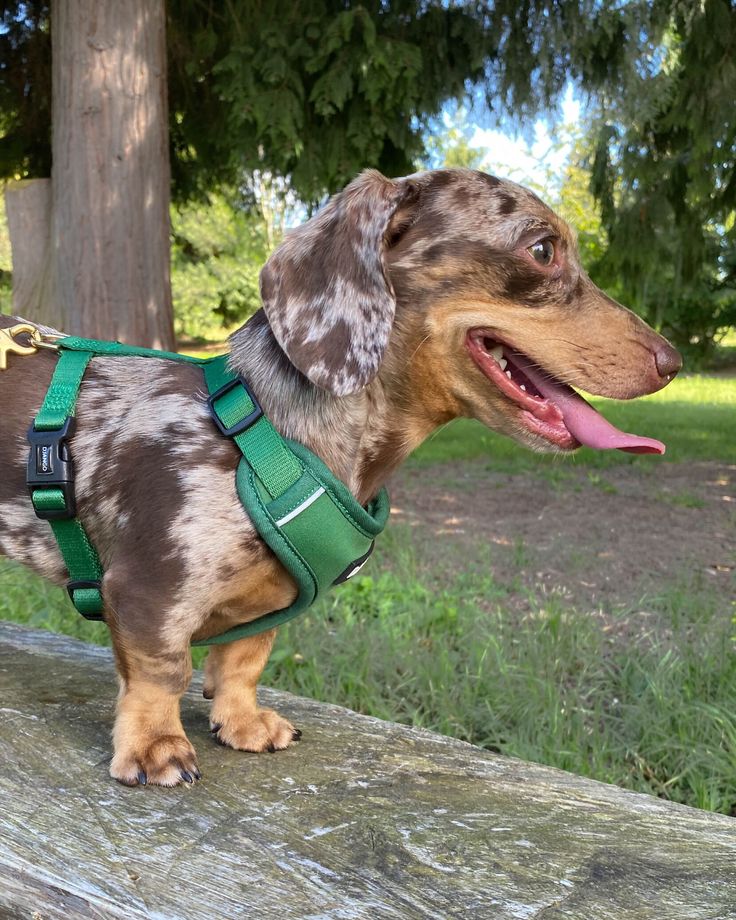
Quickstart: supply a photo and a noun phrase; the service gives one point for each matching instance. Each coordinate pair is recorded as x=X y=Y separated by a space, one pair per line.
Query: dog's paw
x=166 y=761
x=263 y=730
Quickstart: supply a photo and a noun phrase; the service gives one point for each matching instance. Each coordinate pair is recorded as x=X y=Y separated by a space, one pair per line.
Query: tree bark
x=110 y=174
x=28 y=209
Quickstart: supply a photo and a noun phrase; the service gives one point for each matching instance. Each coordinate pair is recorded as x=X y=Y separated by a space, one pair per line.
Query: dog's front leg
x=231 y=677
x=148 y=739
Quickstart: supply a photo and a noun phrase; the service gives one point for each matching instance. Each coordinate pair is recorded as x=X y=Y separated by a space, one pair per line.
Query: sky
x=514 y=158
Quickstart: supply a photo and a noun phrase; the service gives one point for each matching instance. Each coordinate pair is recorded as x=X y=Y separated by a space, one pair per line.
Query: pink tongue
x=582 y=420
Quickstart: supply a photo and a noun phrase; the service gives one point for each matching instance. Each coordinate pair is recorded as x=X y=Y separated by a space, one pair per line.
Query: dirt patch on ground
x=604 y=539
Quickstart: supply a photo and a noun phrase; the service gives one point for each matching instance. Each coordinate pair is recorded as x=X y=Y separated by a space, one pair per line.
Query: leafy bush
x=217 y=252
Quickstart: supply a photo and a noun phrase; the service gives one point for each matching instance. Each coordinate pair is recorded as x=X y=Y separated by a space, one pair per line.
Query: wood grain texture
x=362 y=819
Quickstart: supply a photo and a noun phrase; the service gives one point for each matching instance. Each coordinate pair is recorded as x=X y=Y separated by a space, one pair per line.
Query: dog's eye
x=543 y=252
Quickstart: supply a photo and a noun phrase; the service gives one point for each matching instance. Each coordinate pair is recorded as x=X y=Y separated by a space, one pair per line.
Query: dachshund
x=403 y=304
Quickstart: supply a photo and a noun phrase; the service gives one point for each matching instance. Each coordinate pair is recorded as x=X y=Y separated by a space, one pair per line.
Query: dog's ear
x=325 y=291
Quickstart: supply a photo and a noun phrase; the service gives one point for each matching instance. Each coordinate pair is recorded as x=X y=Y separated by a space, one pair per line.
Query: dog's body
x=379 y=317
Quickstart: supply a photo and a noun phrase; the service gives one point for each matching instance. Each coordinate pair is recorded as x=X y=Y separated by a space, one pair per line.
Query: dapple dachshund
x=402 y=305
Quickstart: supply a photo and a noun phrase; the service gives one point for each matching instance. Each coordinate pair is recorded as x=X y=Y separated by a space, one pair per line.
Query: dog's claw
x=197 y=774
x=207 y=693
x=216 y=728
x=186 y=776
x=296 y=734
x=142 y=778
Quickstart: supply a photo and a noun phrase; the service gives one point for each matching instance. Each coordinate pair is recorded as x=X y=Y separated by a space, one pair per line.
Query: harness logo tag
x=44 y=462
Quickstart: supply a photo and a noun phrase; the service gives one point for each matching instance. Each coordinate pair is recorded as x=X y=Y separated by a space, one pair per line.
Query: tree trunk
x=110 y=174
x=28 y=209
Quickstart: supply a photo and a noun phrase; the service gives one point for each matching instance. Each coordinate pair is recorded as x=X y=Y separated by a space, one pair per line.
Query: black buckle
x=73 y=586
x=244 y=423
x=50 y=467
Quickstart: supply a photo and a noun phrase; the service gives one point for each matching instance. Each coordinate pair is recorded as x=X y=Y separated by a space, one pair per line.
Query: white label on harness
x=356 y=569
x=299 y=508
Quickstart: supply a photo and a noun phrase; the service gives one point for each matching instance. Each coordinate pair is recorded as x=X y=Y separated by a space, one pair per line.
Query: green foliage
x=321 y=89
x=448 y=145
x=316 y=90
x=25 y=90
x=665 y=173
x=217 y=251
x=576 y=204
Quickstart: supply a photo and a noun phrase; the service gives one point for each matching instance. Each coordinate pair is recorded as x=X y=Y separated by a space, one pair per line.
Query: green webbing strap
x=260 y=443
x=53 y=501
x=61 y=396
x=81 y=560
x=118 y=350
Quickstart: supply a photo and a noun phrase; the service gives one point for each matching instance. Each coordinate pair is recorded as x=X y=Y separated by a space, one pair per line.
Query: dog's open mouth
x=550 y=408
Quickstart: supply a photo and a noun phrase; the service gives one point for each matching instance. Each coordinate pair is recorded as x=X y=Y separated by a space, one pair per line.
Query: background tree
x=90 y=247
x=448 y=144
x=6 y=294
x=574 y=201
x=310 y=89
x=664 y=171
x=318 y=90
x=218 y=247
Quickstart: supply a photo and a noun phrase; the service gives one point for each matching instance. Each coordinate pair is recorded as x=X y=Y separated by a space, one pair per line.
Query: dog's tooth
x=497 y=353
x=508 y=374
x=503 y=362
x=522 y=387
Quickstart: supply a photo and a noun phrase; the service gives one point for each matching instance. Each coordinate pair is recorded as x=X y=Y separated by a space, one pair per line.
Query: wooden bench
x=362 y=819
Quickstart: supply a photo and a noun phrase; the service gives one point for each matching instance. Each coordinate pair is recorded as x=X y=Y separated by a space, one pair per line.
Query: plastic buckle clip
x=50 y=467
x=244 y=423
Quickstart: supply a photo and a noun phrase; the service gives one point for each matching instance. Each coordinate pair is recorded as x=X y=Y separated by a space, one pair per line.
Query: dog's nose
x=667 y=359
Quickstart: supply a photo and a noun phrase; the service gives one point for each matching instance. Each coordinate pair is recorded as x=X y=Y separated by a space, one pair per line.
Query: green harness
x=310 y=519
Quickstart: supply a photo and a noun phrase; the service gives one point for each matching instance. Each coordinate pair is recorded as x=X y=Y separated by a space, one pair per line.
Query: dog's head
x=467 y=293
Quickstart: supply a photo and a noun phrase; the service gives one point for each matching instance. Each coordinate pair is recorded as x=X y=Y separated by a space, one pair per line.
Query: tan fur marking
x=232 y=673
x=148 y=738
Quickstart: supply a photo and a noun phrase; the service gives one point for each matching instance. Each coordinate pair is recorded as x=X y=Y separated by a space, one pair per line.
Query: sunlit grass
x=553 y=686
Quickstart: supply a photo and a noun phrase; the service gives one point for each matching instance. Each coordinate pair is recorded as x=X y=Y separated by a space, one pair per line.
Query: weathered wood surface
x=362 y=819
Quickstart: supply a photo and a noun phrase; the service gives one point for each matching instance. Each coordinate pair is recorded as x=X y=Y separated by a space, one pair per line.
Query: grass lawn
x=439 y=648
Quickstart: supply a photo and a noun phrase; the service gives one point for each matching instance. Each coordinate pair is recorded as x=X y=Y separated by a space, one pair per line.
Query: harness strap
x=51 y=482
x=311 y=521
x=238 y=415
x=307 y=516
x=61 y=396
x=117 y=350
